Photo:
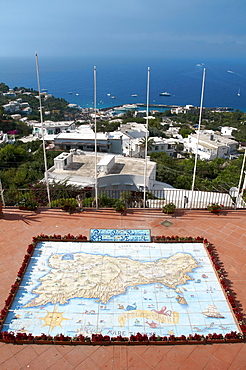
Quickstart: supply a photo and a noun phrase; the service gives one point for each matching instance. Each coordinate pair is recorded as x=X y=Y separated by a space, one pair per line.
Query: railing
x=133 y=199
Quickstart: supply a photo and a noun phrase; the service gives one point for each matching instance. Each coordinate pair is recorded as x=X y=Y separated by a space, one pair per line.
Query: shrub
x=106 y=201
x=119 y=205
x=169 y=208
x=66 y=204
x=29 y=204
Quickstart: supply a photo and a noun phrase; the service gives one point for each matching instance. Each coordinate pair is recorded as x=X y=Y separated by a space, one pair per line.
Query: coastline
x=126 y=81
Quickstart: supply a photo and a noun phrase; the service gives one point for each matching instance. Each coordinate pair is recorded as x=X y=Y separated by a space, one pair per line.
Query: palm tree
x=150 y=143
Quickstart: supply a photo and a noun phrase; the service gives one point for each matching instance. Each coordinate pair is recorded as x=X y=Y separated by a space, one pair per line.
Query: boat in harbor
x=212 y=311
x=165 y=94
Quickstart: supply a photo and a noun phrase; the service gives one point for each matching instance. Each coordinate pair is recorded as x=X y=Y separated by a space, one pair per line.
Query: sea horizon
x=124 y=80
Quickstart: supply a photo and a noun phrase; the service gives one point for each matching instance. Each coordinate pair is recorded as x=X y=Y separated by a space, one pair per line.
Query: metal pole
x=42 y=130
x=95 y=128
x=241 y=177
x=146 y=137
x=1 y=191
x=198 y=135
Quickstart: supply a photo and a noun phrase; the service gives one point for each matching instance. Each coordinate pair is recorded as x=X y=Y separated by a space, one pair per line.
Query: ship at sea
x=165 y=94
x=212 y=311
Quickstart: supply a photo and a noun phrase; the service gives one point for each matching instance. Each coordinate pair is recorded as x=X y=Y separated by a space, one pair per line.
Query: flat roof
x=123 y=166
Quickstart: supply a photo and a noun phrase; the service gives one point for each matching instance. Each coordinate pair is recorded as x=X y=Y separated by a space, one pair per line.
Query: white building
x=227 y=131
x=113 y=171
x=163 y=145
x=134 y=129
x=109 y=142
x=184 y=109
x=210 y=145
x=10 y=94
x=12 y=107
x=52 y=129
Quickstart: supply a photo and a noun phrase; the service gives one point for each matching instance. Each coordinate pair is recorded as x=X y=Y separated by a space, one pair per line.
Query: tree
x=3 y=87
x=150 y=143
x=185 y=131
x=12 y=155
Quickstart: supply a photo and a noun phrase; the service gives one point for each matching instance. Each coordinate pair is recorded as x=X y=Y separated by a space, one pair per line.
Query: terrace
x=226 y=232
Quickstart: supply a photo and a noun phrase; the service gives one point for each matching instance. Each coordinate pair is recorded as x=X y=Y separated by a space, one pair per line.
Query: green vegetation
x=66 y=204
x=120 y=205
x=169 y=208
x=216 y=175
x=57 y=108
x=27 y=203
x=22 y=164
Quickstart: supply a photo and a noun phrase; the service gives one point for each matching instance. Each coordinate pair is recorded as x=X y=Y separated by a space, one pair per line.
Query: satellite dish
x=233 y=192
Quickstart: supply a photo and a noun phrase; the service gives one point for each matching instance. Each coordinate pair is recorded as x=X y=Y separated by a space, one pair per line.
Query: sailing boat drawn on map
x=212 y=311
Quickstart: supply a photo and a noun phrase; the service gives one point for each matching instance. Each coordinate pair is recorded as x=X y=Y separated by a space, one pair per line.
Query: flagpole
x=198 y=136
x=95 y=128
x=146 y=137
x=241 y=177
x=42 y=130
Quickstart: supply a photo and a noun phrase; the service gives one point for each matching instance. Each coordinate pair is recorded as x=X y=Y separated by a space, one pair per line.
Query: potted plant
x=43 y=339
x=139 y=339
x=23 y=338
x=169 y=208
x=80 y=339
x=215 y=338
x=62 y=339
x=120 y=205
x=233 y=336
x=7 y=337
x=196 y=338
x=215 y=208
x=119 y=340
x=99 y=339
x=66 y=204
x=28 y=204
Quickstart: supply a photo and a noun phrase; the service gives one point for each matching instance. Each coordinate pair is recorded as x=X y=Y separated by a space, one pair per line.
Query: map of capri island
x=120 y=288
x=102 y=277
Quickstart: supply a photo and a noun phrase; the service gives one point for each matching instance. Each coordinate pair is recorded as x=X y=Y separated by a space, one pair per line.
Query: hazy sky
x=173 y=28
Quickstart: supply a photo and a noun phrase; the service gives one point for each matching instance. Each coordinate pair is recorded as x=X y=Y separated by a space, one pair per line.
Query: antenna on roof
x=42 y=130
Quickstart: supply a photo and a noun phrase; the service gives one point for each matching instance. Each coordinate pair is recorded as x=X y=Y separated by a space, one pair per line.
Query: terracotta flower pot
x=43 y=341
x=62 y=342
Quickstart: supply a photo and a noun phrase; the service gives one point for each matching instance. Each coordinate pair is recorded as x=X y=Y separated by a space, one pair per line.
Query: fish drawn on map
x=131 y=307
x=152 y=324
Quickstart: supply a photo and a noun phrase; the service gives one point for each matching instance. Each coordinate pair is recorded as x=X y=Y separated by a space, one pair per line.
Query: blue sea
x=72 y=79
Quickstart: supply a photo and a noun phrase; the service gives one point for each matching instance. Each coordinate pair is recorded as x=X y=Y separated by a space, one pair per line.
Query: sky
x=130 y=28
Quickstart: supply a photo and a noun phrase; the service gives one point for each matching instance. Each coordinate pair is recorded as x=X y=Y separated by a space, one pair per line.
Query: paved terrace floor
x=226 y=231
